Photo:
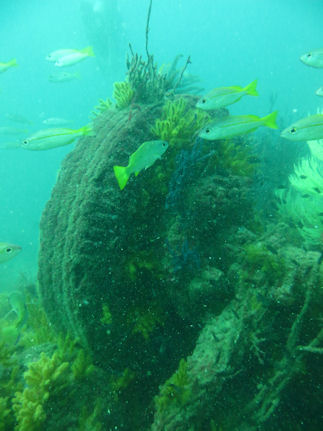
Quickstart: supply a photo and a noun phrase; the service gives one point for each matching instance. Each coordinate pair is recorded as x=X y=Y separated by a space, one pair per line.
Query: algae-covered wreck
x=195 y=312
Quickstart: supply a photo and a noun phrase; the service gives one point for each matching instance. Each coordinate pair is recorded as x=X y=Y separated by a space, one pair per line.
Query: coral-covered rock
x=133 y=273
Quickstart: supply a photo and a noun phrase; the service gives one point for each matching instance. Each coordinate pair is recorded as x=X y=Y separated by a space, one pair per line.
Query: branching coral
x=147 y=83
x=151 y=84
x=123 y=94
x=179 y=122
x=103 y=106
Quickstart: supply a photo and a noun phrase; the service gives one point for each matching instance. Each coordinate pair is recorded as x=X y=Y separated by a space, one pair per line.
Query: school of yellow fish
x=309 y=128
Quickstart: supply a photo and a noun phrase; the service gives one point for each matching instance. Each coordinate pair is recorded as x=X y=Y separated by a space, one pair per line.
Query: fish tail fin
x=251 y=88
x=89 y=51
x=270 y=120
x=86 y=130
x=12 y=63
x=122 y=175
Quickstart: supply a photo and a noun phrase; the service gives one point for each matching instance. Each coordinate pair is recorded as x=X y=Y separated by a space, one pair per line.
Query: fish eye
x=25 y=142
x=8 y=250
x=309 y=55
x=164 y=144
x=293 y=130
x=207 y=130
x=203 y=100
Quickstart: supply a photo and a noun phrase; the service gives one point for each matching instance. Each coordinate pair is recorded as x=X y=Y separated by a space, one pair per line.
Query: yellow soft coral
x=123 y=94
x=179 y=122
x=43 y=378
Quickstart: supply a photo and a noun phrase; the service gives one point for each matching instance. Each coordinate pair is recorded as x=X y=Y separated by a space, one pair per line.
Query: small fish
x=55 y=121
x=8 y=251
x=313 y=58
x=319 y=91
x=55 y=55
x=316 y=189
x=8 y=65
x=60 y=77
x=237 y=125
x=305 y=196
x=306 y=129
x=53 y=138
x=303 y=177
x=74 y=57
x=224 y=96
x=144 y=157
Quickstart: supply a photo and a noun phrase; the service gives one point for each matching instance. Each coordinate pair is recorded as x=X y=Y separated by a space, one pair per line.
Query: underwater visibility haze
x=161 y=235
